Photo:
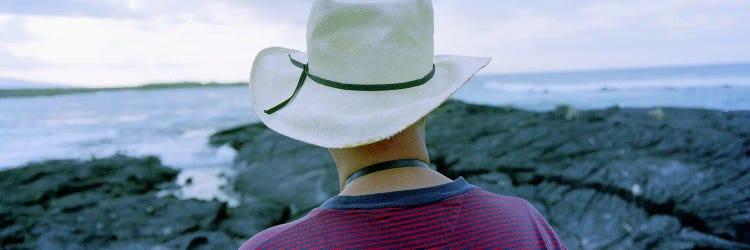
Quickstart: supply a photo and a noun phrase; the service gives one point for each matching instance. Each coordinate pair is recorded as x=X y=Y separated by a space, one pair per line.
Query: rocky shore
x=112 y=203
x=605 y=179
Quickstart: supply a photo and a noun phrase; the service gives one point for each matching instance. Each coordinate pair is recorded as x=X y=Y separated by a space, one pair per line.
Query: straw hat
x=369 y=73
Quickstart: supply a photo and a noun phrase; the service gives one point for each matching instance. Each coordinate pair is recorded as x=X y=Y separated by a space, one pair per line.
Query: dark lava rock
x=203 y=240
x=109 y=203
x=605 y=179
x=252 y=217
x=38 y=183
x=144 y=219
x=690 y=165
x=275 y=168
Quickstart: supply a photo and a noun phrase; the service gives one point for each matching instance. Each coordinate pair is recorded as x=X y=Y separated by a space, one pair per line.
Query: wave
x=618 y=85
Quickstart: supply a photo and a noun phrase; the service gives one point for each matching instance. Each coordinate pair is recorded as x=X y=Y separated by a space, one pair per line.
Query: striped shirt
x=452 y=215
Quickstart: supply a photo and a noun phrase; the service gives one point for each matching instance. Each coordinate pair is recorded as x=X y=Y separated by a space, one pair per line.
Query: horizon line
x=531 y=72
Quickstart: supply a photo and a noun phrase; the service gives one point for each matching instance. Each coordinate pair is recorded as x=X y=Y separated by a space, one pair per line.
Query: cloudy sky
x=131 y=42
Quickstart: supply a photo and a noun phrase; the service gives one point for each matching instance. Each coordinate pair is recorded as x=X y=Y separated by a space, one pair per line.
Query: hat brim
x=336 y=118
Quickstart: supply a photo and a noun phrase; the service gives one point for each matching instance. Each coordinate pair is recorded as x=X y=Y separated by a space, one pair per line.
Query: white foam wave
x=654 y=84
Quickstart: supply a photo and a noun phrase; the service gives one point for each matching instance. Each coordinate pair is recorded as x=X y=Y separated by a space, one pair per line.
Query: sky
x=102 y=43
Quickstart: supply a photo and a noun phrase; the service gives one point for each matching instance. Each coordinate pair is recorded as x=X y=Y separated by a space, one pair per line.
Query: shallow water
x=725 y=98
x=722 y=87
x=173 y=124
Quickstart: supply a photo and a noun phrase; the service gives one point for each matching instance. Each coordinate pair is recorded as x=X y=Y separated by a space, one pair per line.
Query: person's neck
x=409 y=144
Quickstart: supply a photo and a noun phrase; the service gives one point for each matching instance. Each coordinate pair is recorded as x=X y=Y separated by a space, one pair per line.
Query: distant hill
x=51 y=89
x=10 y=83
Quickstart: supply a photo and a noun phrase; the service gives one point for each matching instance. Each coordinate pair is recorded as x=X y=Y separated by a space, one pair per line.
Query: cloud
x=287 y=11
x=127 y=42
x=292 y=12
x=12 y=30
x=601 y=34
x=215 y=44
x=91 y=8
x=11 y=62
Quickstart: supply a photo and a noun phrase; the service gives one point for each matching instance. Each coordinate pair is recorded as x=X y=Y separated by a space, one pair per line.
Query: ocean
x=174 y=124
x=722 y=87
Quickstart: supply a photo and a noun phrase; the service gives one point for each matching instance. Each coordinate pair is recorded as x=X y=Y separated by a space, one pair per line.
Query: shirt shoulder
x=515 y=208
x=493 y=197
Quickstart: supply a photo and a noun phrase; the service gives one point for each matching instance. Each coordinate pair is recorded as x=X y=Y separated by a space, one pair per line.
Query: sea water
x=174 y=124
x=722 y=87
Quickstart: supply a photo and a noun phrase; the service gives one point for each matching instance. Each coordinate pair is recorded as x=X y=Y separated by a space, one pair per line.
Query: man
x=362 y=90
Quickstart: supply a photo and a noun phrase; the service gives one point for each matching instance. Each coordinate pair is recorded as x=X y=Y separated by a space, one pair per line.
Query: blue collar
x=404 y=198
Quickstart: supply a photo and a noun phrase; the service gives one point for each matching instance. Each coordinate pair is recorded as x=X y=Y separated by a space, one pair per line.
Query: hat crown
x=370 y=42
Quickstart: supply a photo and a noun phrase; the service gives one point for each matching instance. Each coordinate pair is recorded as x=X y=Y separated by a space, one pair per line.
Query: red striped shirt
x=453 y=215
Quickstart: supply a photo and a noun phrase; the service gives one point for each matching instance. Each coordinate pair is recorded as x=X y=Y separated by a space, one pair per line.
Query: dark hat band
x=346 y=86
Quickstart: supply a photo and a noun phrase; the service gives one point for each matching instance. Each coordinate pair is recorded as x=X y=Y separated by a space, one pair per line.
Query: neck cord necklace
x=384 y=166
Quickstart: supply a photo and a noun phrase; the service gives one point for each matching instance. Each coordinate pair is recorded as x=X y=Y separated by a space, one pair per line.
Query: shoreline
x=608 y=178
x=21 y=93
